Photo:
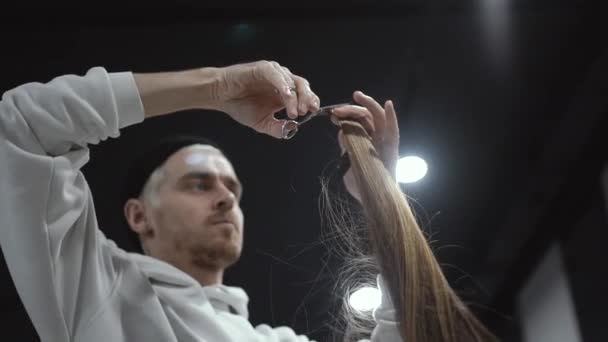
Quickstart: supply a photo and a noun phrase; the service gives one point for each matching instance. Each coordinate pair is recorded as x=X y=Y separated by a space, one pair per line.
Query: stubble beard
x=217 y=254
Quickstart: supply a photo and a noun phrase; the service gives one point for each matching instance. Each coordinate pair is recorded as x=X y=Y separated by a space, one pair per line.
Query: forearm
x=168 y=92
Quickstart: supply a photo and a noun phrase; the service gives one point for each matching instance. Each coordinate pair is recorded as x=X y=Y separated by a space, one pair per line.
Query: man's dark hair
x=152 y=157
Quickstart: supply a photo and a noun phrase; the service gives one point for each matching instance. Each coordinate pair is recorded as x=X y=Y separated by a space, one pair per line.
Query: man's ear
x=135 y=213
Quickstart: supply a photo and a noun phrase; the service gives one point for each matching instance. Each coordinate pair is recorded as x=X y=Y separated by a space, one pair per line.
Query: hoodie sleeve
x=387 y=327
x=57 y=257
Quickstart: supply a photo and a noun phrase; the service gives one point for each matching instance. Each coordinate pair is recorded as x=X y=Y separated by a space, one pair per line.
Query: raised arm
x=60 y=262
x=47 y=224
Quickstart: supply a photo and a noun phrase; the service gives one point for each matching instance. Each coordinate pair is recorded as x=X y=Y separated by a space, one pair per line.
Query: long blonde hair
x=427 y=308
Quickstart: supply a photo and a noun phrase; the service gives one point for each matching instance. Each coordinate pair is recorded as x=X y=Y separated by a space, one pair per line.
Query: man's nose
x=225 y=199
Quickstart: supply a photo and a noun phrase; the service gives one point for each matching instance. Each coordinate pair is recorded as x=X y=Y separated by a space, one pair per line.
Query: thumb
x=277 y=127
x=341 y=142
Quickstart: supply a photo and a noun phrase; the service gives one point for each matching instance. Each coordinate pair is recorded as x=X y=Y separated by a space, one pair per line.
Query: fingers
x=274 y=127
x=295 y=91
x=268 y=72
x=307 y=100
x=390 y=150
x=380 y=122
x=341 y=142
x=378 y=113
x=356 y=113
x=286 y=87
x=392 y=125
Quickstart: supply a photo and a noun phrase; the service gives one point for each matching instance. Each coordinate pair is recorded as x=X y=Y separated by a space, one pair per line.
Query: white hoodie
x=77 y=285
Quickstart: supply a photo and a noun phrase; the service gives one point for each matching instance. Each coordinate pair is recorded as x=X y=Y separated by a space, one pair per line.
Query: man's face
x=197 y=213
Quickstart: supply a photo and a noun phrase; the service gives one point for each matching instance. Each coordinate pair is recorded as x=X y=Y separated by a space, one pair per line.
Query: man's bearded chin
x=216 y=256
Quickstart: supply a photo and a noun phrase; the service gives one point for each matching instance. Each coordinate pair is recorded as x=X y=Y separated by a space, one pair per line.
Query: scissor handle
x=290 y=128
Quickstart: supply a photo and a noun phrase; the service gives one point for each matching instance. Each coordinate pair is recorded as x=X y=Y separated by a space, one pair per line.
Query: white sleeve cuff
x=129 y=106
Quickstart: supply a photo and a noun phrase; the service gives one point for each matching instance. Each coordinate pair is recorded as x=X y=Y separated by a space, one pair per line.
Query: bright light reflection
x=365 y=299
x=411 y=169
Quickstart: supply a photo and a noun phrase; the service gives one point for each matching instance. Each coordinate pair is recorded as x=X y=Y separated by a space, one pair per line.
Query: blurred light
x=411 y=169
x=242 y=27
x=365 y=299
x=243 y=32
x=496 y=17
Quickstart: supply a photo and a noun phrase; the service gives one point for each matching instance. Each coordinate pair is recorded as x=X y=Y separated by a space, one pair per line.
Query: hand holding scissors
x=290 y=127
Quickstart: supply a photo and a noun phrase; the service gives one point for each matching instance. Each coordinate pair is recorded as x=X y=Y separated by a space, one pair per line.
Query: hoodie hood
x=222 y=297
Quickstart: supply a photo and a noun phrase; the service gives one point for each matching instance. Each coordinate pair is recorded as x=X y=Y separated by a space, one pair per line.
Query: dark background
x=505 y=100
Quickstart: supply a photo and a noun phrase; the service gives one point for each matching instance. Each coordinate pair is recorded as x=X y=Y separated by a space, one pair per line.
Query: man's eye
x=200 y=186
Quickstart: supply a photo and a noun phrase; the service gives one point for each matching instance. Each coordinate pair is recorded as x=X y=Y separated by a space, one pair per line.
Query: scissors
x=290 y=127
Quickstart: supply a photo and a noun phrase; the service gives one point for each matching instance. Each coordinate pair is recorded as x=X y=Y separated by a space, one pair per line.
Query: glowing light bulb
x=365 y=299
x=411 y=169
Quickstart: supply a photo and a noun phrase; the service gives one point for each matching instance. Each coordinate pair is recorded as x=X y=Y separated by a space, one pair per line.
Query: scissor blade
x=327 y=109
x=321 y=112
